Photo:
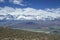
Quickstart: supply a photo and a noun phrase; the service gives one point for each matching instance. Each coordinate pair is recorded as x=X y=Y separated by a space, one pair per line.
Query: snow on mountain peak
x=28 y=13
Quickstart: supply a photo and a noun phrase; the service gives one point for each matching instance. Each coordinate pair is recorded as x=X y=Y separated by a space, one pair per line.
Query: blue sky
x=38 y=4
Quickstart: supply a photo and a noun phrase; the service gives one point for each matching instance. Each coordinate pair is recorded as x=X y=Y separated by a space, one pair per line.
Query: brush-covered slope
x=7 y=33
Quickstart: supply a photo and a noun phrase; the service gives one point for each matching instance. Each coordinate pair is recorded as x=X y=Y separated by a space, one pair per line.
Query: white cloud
x=23 y=13
x=1 y=0
x=18 y=2
x=6 y=10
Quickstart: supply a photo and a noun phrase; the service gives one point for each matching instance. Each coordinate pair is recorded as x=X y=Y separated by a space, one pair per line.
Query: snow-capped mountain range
x=30 y=17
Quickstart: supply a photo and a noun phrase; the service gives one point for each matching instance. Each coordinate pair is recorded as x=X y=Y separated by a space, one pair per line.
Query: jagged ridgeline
x=15 y=34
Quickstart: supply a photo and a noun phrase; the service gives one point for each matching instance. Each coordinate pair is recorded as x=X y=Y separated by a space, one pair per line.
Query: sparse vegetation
x=14 y=34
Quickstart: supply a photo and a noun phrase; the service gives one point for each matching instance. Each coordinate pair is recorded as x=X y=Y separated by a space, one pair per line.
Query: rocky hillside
x=14 y=34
